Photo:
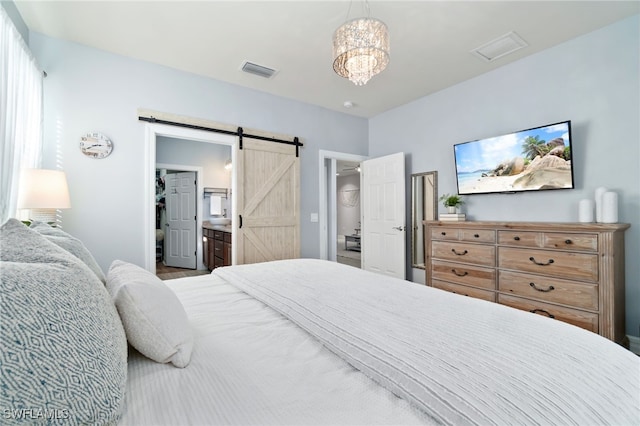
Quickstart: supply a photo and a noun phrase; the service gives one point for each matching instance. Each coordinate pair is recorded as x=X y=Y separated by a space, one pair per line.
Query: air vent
x=259 y=70
x=500 y=47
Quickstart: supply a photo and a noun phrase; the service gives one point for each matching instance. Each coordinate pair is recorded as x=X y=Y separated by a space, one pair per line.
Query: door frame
x=152 y=131
x=323 y=217
x=199 y=196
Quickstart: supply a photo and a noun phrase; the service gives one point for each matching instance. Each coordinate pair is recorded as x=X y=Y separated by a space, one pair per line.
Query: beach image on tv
x=533 y=159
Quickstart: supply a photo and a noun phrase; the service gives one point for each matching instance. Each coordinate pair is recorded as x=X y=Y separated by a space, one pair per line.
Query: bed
x=290 y=342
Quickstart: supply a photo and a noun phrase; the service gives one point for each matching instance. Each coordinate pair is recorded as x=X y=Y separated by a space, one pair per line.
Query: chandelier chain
x=366 y=8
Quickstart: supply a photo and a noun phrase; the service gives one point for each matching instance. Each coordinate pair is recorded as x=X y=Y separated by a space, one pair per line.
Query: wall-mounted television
x=528 y=160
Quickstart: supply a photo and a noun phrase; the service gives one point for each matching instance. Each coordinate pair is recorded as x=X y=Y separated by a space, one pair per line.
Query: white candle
x=610 y=207
x=585 y=211
x=599 y=193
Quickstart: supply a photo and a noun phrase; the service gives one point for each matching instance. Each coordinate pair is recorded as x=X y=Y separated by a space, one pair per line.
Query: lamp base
x=49 y=216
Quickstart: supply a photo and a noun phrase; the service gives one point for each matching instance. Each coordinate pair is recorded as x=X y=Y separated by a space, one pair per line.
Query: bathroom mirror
x=424 y=206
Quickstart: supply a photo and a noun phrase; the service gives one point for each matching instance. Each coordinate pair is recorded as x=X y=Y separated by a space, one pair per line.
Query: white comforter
x=460 y=360
x=252 y=366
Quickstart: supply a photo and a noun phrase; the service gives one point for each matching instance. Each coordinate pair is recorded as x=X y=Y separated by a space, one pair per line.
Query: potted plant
x=451 y=202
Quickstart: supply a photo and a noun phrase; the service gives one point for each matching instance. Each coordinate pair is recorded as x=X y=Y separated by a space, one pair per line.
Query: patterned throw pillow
x=154 y=320
x=63 y=353
x=70 y=244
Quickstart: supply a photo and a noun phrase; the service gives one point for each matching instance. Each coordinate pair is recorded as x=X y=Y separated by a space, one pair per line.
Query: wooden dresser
x=217 y=248
x=573 y=272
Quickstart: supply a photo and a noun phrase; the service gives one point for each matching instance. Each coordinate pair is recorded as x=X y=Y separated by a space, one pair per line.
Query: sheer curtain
x=20 y=113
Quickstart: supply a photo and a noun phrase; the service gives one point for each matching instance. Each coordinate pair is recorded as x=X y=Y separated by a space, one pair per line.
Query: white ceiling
x=430 y=40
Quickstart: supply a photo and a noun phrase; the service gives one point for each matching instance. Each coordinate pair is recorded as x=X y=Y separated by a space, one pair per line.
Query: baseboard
x=634 y=344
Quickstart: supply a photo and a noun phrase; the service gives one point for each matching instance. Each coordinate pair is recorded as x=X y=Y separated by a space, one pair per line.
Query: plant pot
x=452 y=209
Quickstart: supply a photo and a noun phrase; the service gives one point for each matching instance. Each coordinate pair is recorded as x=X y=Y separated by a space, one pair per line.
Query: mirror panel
x=424 y=206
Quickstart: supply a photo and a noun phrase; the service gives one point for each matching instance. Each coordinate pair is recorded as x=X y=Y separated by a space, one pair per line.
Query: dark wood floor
x=168 y=273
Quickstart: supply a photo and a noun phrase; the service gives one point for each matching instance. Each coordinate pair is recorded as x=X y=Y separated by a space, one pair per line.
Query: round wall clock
x=95 y=145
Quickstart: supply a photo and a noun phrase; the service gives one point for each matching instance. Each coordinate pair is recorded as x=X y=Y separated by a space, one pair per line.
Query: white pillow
x=154 y=320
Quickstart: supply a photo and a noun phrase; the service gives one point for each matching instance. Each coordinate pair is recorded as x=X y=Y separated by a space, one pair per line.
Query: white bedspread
x=251 y=366
x=461 y=360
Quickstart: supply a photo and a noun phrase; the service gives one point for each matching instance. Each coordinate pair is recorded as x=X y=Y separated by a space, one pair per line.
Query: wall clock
x=96 y=145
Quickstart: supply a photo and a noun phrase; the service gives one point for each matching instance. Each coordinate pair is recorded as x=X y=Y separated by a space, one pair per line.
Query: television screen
x=528 y=160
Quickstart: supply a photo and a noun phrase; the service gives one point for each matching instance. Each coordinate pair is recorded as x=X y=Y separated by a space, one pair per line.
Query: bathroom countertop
x=224 y=228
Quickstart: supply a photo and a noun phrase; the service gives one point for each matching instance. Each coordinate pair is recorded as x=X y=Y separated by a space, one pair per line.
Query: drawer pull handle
x=459 y=254
x=545 y=290
x=568 y=242
x=464 y=274
x=542 y=311
x=476 y=235
x=516 y=238
x=443 y=233
x=540 y=263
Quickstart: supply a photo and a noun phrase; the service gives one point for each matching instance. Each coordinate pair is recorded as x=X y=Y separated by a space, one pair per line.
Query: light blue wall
x=592 y=80
x=92 y=90
x=211 y=157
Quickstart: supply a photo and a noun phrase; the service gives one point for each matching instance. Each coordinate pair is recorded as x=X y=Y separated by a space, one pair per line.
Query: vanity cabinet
x=573 y=272
x=217 y=248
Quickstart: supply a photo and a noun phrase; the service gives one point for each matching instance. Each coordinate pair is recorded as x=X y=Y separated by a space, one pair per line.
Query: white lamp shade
x=43 y=189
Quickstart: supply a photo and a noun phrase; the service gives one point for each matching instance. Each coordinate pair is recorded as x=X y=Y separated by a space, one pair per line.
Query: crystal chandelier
x=360 y=49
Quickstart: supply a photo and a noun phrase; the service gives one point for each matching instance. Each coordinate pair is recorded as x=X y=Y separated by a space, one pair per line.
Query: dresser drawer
x=586 y=320
x=550 y=240
x=465 y=291
x=463 y=234
x=444 y=233
x=478 y=235
x=520 y=238
x=559 y=264
x=476 y=254
x=572 y=293
x=562 y=241
x=464 y=274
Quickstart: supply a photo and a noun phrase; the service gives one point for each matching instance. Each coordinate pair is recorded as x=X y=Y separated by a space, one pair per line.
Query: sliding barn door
x=268 y=202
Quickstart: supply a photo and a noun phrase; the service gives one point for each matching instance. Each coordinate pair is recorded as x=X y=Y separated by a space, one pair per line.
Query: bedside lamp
x=43 y=192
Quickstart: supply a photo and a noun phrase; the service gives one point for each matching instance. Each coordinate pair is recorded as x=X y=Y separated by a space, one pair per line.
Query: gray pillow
x=154 y=320
x=64 y=351
x=70 y=244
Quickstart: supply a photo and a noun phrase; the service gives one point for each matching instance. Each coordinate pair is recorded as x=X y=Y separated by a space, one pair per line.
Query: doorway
x=328 y=211
x=158 y=131
x=163 y=170
x=382 y=183
x=179 y=226
x=348 y=213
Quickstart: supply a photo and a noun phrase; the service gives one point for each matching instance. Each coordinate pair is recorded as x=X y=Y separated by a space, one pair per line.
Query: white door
x=268 y=202
x=180 y=233
x=383 y=215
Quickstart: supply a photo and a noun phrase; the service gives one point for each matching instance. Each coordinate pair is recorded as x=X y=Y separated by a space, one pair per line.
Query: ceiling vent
x=259 y=70
x=500 y=47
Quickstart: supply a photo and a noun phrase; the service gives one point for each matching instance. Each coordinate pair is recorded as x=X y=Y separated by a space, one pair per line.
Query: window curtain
x=20 y=113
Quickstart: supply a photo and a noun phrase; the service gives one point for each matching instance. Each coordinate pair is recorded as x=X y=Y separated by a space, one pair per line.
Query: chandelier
x=360 y=49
